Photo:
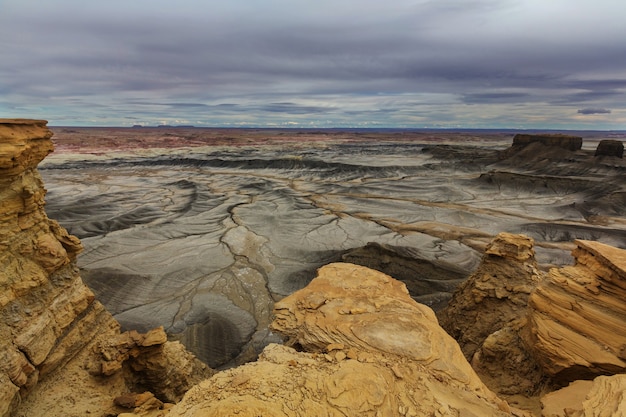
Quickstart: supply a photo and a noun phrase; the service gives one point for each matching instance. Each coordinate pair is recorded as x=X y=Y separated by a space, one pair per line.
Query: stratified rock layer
x=487 y=312
x=369 y=350
x=605 y=396
x=577 y=315
x=571 y=143
x=495 y=294
x=42 y=299
x=50 y=324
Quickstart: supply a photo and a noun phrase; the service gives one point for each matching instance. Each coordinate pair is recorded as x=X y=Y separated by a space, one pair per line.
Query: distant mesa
x=530 y=145
x=530 y=142
x=571 y=143
x=610 y=147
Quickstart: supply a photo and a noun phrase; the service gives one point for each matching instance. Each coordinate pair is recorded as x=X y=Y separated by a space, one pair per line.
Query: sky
x=520 y=64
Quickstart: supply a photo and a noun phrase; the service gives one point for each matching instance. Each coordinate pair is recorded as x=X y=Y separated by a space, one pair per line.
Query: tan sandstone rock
x=50 y=322
x=495 y=294
x=577 y=316
x=605 y=396
x=368 y=350
x=487 y=314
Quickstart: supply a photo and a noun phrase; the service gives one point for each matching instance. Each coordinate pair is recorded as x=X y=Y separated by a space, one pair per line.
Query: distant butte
x=571 y=143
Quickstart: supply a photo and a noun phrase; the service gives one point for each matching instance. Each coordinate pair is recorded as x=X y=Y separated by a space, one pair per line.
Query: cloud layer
x=429 y=63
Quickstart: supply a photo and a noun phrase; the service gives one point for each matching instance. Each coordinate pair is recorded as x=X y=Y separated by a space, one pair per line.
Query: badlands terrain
x=510 y=335
x=201 y=231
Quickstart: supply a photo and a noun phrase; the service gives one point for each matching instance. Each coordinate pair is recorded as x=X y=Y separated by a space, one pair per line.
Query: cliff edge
x=61 y=352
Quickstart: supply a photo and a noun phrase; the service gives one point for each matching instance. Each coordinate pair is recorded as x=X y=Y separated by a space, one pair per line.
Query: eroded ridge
x=53 y=330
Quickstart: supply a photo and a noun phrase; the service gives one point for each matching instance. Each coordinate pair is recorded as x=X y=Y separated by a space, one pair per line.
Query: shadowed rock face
x=527 y=332
x=610 y=147
x=571 y=143
x=203 y=240
x=495 y=294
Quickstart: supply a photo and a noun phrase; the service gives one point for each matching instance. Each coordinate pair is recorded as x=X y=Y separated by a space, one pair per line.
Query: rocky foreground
x=355 y=342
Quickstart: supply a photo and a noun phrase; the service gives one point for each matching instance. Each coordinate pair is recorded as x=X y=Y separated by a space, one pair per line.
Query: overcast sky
x=316 y=63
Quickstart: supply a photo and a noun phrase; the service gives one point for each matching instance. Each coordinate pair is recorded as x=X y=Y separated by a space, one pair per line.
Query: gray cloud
x=594 y=111
x=324 y=62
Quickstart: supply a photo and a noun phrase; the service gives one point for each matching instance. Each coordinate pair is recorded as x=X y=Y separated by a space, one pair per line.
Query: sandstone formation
x=487 y=312
x=526 y=331
x=360 y=346
x=609 y=147
x=605 y=396
x=495 y=294
x=571 y=143
x=51 y=325
x=577 y=315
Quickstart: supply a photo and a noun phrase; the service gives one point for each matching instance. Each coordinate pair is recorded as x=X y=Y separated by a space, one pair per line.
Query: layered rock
x=569 y=142
x=487 y=312
x=605 y=396
x=41 y=296
x=577 y=315
x=358 y=345
x=51 y=323
x=495 y=294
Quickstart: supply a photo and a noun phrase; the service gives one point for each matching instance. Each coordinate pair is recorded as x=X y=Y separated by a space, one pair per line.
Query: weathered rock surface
x=577 y=315
x=487 y=313
x=495 y=294
x=605 y=396
x=527 y=332
x=610 y=147
x=367 y=348
x=429 y=281
x=51 y=324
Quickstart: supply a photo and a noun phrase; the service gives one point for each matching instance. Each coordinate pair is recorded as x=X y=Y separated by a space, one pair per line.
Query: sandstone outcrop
x=495 y=294
x=357 y=345
x=605 y=396
x=487 y=312
x=577 y=315
x=51 y=324
x=610 y=147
